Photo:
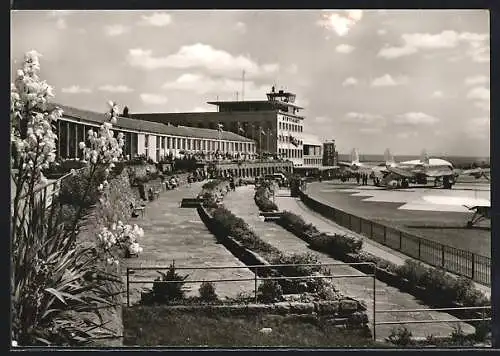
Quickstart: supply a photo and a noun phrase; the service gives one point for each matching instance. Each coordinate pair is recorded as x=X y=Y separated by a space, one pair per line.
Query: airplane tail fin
x=354 y=156
x=389 y=159
x=424 y=157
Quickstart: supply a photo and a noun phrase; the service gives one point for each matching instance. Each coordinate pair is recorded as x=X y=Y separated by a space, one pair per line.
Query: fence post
x=442 y=255
x=374 y=304
x=400 y=240
x=255 y=284
x=473 y=266
x=385 y=235
x=128 y=288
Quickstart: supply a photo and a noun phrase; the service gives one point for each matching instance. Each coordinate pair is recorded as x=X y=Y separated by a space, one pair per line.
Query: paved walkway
x=387 y=297
x=174 y=233
x=295 y=205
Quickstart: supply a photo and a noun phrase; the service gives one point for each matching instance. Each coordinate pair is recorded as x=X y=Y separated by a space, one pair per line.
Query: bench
x=137 y=209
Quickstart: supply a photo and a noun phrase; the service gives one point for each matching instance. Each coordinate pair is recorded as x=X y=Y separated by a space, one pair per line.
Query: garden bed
x=431 y=285
x=165 y=326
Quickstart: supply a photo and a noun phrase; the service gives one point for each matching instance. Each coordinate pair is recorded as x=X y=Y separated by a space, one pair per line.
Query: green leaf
x=57 y=294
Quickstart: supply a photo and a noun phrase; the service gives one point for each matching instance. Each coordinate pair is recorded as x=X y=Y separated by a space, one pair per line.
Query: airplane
x=477 y=173
x=418 y=171
x=481 y=208
x=355 y=166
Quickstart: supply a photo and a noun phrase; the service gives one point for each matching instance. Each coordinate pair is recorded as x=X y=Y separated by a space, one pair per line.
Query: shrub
x=413 y=271
x=207 y=292
x=458 y=336
x=165 y=292
x=337 y=244
x=270 y=291
x=400 y=336
x=262 y=200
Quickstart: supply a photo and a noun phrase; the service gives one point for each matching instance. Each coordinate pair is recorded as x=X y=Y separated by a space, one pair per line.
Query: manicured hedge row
x=432 y=285
x=262 y=200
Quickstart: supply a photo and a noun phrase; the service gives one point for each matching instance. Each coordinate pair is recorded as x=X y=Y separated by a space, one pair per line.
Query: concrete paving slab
x=387 y=297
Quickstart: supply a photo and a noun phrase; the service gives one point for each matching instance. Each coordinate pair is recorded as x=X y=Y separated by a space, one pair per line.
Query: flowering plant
x=120 y=236
x=54 y=277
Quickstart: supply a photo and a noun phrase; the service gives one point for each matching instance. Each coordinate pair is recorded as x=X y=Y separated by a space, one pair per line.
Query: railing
x=256 y=279
x=45 y=191
x=457 y=261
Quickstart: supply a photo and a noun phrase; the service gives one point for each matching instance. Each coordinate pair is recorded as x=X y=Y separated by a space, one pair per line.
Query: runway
x=433 y=213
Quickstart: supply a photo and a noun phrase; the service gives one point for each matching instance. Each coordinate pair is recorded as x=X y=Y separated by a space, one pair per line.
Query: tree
x=125 y=112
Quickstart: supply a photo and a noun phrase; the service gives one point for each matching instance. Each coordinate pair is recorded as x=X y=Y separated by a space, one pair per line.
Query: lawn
x=159 y=326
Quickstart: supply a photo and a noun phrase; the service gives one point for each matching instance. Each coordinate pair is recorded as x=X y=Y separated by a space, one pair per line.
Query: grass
x=159 y=326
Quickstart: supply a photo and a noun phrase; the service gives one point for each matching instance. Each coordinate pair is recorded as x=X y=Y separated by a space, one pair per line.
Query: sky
x=370 y=79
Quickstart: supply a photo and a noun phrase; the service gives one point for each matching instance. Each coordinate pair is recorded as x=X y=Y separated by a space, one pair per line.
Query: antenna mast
x=243 y=86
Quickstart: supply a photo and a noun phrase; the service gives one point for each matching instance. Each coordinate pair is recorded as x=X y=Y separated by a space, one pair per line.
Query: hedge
x=440 y=287
x=262 y=200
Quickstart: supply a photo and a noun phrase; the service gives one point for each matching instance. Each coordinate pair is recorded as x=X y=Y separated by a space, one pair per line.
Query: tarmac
x=434 y=214
x=177 y=234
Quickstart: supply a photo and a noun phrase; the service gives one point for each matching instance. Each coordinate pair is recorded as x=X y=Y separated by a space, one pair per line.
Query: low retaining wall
x=345 y=310
x=394 y=280
x=353 y=312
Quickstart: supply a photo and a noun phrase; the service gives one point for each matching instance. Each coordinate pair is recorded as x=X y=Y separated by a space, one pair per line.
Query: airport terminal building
x=273 y=124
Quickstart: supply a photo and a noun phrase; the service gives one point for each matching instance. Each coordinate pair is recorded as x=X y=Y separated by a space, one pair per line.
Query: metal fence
x=43 y=192
x=457 y=261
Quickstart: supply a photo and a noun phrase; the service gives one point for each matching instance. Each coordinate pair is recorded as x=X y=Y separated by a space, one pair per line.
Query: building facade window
x=146 y=145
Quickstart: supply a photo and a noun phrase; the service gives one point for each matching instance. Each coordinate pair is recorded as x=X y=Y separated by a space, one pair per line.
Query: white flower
x=134 y=248
x=14 y=343
x=113 y=120
x=81 y=145
x=100 y=187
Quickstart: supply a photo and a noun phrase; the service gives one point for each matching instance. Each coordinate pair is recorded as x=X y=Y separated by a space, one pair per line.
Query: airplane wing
x=344 y=164
x=400 y=172
x=439 y=173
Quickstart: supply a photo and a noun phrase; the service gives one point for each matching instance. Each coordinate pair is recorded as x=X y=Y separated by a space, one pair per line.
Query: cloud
x=349 y=81
x=407 y=134
x=484 y=105
x=116 y=88
x=363 y=119
x=437 y=94
x=340 y=22
x=414 y=42
x=322 y=119
x=344 y=48
x=478 y=128
x=388 y=80
x=381 y=32
x=396 y=52
x=153 y=99
x=201 y=56
x=75 y=89
x=415 y=119
x=115 y=30
x=479 y=93
x=477 y=79
x=203 y=109
x=370 y=130
x=61 y=23
x=292 y=69
x=157 y=19
x=240 y=27
x=203 y=84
